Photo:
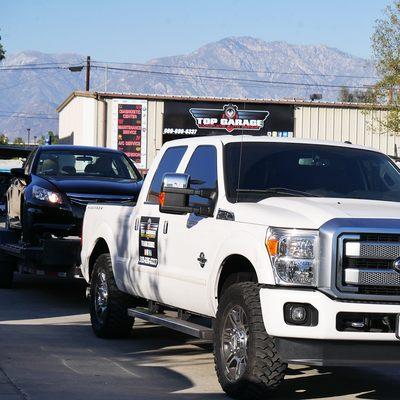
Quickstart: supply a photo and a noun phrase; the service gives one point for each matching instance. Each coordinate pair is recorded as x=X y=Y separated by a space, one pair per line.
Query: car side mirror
x=18 y=173
x=175 y=192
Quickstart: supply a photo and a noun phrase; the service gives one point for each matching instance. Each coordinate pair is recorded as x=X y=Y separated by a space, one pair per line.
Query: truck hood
x=312 y=212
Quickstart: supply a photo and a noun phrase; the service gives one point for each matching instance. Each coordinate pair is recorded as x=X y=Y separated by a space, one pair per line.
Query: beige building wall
x=359 y=126
x=90 y=121
x=79 y=119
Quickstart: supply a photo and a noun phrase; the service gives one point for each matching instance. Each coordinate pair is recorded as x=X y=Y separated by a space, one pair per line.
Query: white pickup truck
x=279 y=250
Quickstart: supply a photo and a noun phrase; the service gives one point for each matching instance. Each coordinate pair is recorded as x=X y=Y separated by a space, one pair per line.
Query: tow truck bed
x=54 y=257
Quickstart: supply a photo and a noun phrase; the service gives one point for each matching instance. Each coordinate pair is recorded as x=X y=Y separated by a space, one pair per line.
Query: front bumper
x=337 y=353
x=61 y=221
x=274 y=299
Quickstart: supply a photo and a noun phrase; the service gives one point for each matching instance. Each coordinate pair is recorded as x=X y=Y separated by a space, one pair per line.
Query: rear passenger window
x=169 y=163
x=203 y=167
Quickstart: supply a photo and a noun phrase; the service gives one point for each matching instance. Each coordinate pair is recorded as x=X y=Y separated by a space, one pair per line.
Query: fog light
x=298 y=314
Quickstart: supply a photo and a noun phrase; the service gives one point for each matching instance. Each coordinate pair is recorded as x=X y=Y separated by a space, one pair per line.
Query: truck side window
x=203 y=167
x=169 y=163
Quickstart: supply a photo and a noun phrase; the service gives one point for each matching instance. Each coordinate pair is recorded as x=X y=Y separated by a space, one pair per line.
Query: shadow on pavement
x=64 y=360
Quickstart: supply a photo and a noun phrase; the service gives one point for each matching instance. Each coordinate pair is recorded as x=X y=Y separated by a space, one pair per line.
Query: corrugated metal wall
x=358 y=126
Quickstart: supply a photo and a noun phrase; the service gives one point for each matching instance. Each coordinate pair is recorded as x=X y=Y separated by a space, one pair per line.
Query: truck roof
x=224 y=139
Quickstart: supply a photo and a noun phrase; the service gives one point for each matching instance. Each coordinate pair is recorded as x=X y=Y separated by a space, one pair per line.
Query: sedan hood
x=95 y=186
x=312 y=212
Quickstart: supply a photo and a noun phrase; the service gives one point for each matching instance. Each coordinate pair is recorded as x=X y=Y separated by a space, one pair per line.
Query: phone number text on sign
x=172 y=131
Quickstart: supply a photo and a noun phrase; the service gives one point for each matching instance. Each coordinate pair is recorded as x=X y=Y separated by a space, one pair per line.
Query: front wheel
x=246 y=359
x=108 y=305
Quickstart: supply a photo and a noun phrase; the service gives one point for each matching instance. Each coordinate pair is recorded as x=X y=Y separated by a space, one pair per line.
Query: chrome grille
x=366 y=264
x=385 y=251
x=85 y=199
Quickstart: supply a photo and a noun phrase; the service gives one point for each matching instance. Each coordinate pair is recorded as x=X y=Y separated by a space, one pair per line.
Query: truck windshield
x=256 y=170
x=102 y=164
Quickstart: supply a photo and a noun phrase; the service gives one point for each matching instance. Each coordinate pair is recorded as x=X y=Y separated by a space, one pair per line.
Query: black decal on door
x=148 y=241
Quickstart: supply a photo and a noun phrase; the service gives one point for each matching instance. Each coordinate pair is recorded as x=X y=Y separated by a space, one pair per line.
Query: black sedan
x=48 y=196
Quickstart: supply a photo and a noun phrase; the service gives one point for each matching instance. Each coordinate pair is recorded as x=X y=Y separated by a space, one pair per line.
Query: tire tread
x=266 y=370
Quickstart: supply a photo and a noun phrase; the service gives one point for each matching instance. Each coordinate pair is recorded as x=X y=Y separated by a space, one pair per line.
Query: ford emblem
x=396 y=265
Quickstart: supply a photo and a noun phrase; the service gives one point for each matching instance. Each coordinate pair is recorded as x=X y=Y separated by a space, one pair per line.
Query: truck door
x=148 y=238
x=190 y=242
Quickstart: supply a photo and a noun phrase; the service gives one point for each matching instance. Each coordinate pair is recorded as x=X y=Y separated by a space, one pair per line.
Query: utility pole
x=29 y=134
x=105 y=77
x=88 y=73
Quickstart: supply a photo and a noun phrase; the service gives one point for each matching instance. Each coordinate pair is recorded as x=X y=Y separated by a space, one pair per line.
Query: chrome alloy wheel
x=101 y=295
x=234 y=342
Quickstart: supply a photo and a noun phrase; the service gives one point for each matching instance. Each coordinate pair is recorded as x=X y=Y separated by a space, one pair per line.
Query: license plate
x=398 y=326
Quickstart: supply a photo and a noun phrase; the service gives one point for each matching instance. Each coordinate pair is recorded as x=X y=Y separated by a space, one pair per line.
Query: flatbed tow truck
x=51 y=257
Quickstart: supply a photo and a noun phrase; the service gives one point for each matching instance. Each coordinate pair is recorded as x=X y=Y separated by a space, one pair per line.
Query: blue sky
x=123 y=30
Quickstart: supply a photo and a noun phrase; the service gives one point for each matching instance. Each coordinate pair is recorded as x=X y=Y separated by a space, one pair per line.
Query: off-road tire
x=264 y=370
x=115 y=322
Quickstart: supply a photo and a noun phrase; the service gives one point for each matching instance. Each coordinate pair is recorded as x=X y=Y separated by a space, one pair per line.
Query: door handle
x=165 y=228
x=136 y=224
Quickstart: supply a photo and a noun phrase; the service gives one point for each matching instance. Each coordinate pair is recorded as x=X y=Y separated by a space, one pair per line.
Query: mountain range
x=33 y=84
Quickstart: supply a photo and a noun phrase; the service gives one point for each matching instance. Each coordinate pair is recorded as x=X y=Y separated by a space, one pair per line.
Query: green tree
x=50 y=134
x=357 y=96
x=41 y=141
x=2 y=51
x=19 y=140
x=3 y=139
x=54 y=138
x=386 y=50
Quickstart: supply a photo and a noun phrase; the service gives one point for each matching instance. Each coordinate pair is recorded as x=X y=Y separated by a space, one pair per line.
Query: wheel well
x=235 y=268
x=100 y=248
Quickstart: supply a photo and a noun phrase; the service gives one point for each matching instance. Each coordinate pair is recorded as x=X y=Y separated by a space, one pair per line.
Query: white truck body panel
x=179 y=281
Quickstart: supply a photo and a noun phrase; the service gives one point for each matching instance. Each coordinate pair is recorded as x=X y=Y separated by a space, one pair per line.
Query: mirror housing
x=18 y=173
x=175 y=192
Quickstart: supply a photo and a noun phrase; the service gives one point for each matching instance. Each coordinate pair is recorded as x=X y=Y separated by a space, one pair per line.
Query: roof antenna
x=240 y=164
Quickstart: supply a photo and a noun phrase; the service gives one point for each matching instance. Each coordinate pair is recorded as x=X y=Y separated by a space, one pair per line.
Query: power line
x=39 y=64
x=196 y=76
x=231 y=79
x=31 y=68
x=22 y=116
x=22 y=112
x=66 y=65
x=32 y=115
x=241 y=70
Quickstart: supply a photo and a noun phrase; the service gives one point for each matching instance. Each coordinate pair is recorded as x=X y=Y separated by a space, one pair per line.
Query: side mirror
x=173 y=197
x=18 y=173
x=175 y=192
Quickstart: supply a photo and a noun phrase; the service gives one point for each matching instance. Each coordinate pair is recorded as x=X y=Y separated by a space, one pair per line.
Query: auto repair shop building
x=139 y=124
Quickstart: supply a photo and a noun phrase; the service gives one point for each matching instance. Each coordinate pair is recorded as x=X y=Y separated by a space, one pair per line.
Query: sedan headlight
x=40 y=193
x=294 y=255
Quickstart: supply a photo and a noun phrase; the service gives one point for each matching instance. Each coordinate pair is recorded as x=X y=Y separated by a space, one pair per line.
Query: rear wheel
x=108 y=305
x=246 y=359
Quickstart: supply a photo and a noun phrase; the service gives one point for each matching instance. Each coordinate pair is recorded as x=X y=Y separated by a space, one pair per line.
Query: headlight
x=46 y=195
x=294 y=255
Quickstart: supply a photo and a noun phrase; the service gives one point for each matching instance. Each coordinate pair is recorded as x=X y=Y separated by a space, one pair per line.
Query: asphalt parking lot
x=48 y=351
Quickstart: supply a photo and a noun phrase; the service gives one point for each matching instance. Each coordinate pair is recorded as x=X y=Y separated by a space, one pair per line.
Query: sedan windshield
x=257 y=170
x=85 y=164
